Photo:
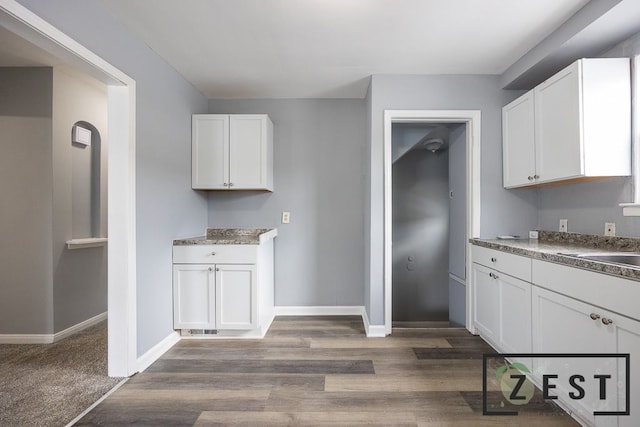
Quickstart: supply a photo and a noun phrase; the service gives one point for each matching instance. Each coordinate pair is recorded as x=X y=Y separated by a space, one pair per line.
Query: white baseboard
x=372 y=331
x=51 y=338
x=319 y=311
x=80 y=326
x=157 y=350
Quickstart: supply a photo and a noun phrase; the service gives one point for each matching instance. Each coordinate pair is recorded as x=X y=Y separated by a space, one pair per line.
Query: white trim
x=51 y=338
x=80 y=326
x=633 y=208
x=155 y=352
x=319 y=310
x=472 y=118
x=121 y=91
x=373 y=331
x=96 y=403
x=26 y=338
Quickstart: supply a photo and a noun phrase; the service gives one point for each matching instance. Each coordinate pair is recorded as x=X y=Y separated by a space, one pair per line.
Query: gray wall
x=80 y=275
x=318 y=177
x=26 y=283
x=166 y=207
x=441 y=93
x=588 y=205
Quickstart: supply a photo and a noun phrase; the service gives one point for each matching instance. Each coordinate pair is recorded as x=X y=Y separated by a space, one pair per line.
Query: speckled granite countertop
x=552 y=245
x=230 y=236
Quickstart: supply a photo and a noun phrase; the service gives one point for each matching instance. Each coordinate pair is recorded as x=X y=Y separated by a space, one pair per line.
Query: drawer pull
x=493 y=275
x=595 y=316
x=494 y=259
x=606 y=321
x=213 y=253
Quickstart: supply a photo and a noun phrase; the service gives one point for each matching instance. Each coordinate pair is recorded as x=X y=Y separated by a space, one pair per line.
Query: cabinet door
x=248 y=152
x=236 y=298
x=210 y=151
x=515 y=314
x=558 y=132
x=518 y=154
x=193 y=296
x=486 y=296
x=565 y=325
x=628 y=338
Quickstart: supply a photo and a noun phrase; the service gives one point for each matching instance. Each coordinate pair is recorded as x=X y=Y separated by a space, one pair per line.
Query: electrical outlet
x=533 y=234
x=286 y=216
x=609 y=228
x=563 y=225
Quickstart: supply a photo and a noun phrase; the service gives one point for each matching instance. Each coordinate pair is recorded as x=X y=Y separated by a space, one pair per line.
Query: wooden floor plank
x=264 y=366
x=209 y=381
x=388 y=342
x=373 y=401
x=278 y=419
x=444 y=381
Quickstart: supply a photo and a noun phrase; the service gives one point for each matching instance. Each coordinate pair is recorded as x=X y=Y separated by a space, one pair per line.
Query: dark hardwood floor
x=318 y=371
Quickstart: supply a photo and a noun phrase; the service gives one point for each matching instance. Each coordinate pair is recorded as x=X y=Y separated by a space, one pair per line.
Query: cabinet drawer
x=513 y=265
x=215 y=254
x=609 y=292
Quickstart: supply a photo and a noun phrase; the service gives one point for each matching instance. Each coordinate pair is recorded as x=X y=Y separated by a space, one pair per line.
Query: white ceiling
x=329 y=48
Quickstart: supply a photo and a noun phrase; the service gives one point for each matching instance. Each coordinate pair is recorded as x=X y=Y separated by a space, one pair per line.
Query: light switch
x=285 y=217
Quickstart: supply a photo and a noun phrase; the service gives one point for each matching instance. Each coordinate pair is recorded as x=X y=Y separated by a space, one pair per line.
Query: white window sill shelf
x=92 y=242
x=630 y=209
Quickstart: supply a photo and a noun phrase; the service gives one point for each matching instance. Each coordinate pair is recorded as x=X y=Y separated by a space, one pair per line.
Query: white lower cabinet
x=214 y=296
x=502 y=302
x=194 y=296
x=236 y=306
x=542 y=307
x=223 y=288
x=565 y=325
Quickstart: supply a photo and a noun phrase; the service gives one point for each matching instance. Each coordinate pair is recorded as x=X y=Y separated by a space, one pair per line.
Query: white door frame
x=121 y=92
x=471 y=118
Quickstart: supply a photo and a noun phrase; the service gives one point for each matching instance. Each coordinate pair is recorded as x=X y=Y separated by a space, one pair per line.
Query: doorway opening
x=54 y=48
x=428 y=224
x=464 y=125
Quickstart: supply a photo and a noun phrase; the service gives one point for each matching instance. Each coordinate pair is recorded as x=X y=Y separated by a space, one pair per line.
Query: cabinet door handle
x=226 y=185
x=594 y=316
x=530 y=178
x=493 y=259
x=210 y=268
x=606 y=321
x=493 y=275
x=231 y=184
x=213 y=253
x=217 y=269
x=536 y=176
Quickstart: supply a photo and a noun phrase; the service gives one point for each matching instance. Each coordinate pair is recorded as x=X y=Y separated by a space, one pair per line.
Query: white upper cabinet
x=232 y=152
x=576 y=125
x=518 y=156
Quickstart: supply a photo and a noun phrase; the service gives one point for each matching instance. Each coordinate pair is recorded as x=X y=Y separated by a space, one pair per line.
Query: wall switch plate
x=609 y=228
x=533 y=234
x=286 y=216
x=563 y=225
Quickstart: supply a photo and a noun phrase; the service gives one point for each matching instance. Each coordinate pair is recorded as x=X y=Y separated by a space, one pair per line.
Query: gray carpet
x=51 y=384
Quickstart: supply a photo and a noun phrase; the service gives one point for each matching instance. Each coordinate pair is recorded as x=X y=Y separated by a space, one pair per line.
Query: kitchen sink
x=625 y=258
